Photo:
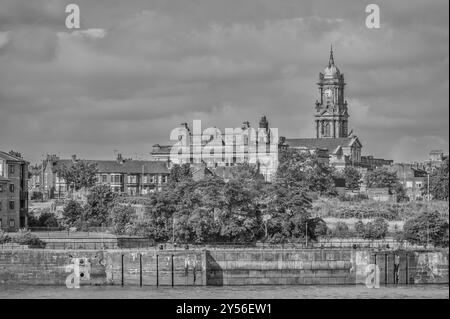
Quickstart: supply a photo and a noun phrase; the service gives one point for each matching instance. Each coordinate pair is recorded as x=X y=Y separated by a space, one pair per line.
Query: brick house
x=412 y=177
x=125 y=176
x=13 y=192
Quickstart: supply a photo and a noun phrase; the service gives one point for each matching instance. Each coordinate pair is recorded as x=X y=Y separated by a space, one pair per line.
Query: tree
x=304 y=171
x=439 y=180
x=99 y=203
x=179 y=173
x=427 y=228
x=47 y=219
x=79 y=175
x=121 y=216
x=72 y=214
x=382 y=178
x=352 y=178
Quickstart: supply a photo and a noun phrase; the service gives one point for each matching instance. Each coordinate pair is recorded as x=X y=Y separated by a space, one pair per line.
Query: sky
x=136 y=69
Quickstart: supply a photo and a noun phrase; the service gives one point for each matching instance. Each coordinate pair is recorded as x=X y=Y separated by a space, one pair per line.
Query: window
x=409 y=184
x=326 y=129
x=11 y=188
x=12 y=223
x=1 y=188
x=11 y=168
x=116 y=178
x=104 y=178
x=418 y=184
x=11 y=204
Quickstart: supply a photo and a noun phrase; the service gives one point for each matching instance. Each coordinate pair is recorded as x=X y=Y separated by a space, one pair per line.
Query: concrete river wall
x=221 y=267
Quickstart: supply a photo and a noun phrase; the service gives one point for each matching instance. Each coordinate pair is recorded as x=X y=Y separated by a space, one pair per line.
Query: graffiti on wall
x=430 y=267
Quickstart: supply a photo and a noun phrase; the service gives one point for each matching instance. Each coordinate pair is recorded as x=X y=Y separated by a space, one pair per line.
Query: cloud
x=138 y=69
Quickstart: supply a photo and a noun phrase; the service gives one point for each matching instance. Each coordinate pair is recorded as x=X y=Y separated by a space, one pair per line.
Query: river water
x=228 y=292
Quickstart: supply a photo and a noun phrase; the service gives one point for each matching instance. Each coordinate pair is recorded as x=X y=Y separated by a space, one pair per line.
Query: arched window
x=327 y=130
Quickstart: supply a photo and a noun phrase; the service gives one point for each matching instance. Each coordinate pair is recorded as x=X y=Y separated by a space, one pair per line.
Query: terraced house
x=13 y=192
x=124 y=176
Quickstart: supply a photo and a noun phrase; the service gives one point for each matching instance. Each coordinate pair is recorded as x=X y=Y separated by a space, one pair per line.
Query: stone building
x=13 y=192
x=125 y=176
x=200 y=152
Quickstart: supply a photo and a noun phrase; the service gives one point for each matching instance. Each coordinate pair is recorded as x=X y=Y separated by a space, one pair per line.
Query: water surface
x=228 y=292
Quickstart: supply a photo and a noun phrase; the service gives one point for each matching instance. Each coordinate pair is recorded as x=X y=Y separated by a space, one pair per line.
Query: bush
x=45 y=219
x=360 y=228
x=376 y=229
x=427 y=228
x=317 y=228
x=72 y=214
x=4 y=238
x=121 y=216
x=25 y=237
x=340 y=230
x=36 y=196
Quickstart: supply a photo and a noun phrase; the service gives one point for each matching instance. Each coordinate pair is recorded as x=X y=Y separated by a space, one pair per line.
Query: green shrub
x=121 y=216
x=340 y=230
x=4 y=238
x=25 y=237
x=318 y=227
x=376 y=229
x=360 y=228
x=427 y=228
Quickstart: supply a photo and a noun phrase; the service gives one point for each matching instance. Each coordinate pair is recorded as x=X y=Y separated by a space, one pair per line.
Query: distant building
x=412 y=177
x=125 y=176
x=371 y=163
x=198 y=156
x=436 y=159
x=380 y=194
x=13 y=192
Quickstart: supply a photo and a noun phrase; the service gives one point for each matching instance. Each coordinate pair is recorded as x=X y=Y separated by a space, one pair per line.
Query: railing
x=94 y=243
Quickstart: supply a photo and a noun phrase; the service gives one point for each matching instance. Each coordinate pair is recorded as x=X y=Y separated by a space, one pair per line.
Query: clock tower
x=331 y=110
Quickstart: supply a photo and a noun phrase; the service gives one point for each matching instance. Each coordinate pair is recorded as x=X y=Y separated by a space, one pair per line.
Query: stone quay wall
x=222 y=267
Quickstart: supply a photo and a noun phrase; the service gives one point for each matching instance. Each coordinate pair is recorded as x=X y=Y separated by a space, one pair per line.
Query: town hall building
x=333 y=140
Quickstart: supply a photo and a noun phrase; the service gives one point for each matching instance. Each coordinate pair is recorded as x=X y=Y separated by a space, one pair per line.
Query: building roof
x=331 y=144
x=10 y=158
x=125 y=167
x=161 y=149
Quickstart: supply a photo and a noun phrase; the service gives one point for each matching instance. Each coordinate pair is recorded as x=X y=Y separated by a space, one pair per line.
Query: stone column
x=334 y=128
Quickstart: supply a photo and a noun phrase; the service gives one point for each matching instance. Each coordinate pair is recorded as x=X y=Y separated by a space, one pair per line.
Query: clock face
x=328 y=93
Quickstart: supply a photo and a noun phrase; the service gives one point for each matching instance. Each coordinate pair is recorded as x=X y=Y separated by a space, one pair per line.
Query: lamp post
x=428 y=186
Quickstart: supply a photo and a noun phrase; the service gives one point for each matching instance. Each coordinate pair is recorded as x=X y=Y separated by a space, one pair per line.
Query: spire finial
x=331 y=61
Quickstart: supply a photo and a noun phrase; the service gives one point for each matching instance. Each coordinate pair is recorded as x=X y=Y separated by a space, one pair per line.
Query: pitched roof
x=126 y=167
x=331 y=144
